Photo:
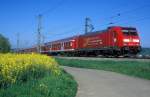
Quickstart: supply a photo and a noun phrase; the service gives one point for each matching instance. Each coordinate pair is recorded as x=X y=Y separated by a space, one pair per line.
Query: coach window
x=64 y=44
x=54 y=46
x=67 y=44
x=59 y=45
x=71 y=44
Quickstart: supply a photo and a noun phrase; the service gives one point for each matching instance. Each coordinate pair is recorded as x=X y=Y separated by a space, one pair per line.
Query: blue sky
x=67 y=18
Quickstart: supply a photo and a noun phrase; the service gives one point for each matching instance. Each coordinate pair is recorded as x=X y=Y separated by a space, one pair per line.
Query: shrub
x=4 y=44
x=21 y=67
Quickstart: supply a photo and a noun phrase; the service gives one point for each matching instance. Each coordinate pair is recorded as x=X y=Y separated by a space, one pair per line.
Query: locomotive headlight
x=126 y=40
x=136 y=40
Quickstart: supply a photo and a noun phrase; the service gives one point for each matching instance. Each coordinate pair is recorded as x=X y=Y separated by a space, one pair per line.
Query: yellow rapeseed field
x=14 y=67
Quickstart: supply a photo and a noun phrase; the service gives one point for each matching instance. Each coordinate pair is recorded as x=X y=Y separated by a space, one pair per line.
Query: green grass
x=49 y=86
x=132 y=68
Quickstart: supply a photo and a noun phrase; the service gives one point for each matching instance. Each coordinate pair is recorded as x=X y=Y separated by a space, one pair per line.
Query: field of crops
x=37 y=73
x=20 y=67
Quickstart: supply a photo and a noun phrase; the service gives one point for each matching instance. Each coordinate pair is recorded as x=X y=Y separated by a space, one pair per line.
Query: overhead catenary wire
x=53 y=8
x=137 y=20
x=129 y=11
x=123 y=14
x=65 y=32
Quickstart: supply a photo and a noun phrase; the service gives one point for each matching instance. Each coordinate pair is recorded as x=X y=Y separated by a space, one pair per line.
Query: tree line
x=4 y=44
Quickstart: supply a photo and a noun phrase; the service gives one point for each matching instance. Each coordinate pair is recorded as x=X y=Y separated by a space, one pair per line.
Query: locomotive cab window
x=129 y=31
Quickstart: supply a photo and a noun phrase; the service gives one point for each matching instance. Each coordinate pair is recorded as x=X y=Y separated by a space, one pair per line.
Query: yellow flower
x=12 y=65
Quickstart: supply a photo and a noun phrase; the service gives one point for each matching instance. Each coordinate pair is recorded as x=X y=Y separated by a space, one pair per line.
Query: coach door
x=114 y=39
x=62 y=46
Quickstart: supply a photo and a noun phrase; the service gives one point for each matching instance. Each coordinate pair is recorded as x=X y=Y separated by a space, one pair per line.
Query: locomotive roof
x=95 y=32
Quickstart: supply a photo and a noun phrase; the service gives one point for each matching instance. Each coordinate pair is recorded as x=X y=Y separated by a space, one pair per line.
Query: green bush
x=62 y=85
x=4 y=44
x=23 y=67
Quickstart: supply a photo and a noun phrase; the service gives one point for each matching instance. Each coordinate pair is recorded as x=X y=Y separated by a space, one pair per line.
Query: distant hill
x=145 y=51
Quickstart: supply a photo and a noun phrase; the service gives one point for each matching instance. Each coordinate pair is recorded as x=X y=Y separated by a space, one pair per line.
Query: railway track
x=99 y=58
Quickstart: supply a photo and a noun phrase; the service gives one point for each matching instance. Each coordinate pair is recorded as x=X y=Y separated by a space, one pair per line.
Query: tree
x=4 y=44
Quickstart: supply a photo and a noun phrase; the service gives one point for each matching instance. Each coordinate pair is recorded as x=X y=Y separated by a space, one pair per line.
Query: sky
x=65 y=18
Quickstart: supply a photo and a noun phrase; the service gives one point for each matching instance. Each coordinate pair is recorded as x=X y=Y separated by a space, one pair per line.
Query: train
x=113 y=41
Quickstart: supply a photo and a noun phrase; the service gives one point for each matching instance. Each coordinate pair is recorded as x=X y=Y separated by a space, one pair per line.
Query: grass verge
x=132 y=68
x=49 y=86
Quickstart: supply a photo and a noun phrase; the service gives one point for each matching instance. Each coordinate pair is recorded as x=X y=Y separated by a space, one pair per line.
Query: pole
x=39 y=33
x=43 y=39
x=18 y=42
x=86 y=25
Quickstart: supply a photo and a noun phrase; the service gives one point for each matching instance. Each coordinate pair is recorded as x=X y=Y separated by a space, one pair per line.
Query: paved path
x=98 y=83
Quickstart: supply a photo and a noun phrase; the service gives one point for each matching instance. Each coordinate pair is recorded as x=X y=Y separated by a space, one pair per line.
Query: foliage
x=22 y=67
x=132 y=68
x=145 y=51
x=4 y=44
x=62 y=85
x=34 y=75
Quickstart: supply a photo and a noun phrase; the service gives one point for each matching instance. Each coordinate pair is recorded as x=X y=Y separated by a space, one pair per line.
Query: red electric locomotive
x=112 y=41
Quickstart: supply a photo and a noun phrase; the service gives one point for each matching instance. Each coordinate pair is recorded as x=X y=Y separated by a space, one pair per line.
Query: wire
x=54 y=8
x=141 y=19
x=60 y=34
x=129 y=11
x=66 y=32
x=135 y=20
x=124 y=12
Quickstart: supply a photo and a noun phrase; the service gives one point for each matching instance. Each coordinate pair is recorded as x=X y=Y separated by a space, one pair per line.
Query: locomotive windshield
x=129 y=31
